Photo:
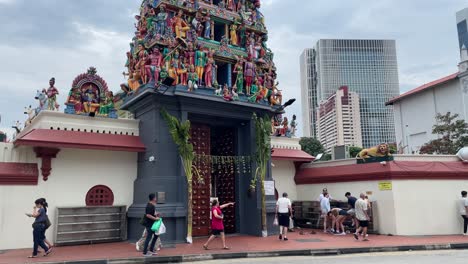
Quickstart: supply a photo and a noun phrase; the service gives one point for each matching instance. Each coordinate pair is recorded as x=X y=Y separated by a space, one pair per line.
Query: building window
x=99 y=195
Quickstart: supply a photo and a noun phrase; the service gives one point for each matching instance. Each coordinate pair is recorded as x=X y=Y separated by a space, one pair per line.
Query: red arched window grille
x=99 y=195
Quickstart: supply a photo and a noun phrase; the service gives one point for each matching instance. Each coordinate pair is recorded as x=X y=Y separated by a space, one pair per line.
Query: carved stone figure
x=52 y=93
x=293 y=126
x=180 y=25
x=233 y=33
x=200 y=63
x=161 y=21
x=153 y=69
x=207 y=20
x=192 y=79
x=239 y=70
x=249 y=72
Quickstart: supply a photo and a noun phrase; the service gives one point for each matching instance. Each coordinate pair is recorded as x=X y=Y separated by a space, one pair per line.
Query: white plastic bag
x=275 y=222
x=291 y=223
x=162 y=229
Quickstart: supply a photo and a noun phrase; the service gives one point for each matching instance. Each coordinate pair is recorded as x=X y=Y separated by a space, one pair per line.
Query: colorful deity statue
x=161 y=21
x=293 y=126
x=183 y=71
x=207 y=31
x=214 y=79
x=107 y=104
x=197 y=24
x=154 y=67
x=180 y=25
x=142 y=57
x=239 y=70
x=163 y=74
x=231 y=5
x=242 y=35
x=233 y=33
x=174 y=67
x=249 y=74
x=227 y=94
x=192 y=79
x=200 y=62
x=190 y=54
x=52 y=93
x=209 y=72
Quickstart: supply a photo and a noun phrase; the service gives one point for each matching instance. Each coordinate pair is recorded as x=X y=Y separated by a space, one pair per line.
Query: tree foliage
x=312 y=146
x=354 y=151
x=262 y=157
x=180 y=133
x=452 y=135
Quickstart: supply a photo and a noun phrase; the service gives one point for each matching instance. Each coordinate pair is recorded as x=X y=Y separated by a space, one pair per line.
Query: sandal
x=48 y=252
x=33 y=256
x=205 y=247
x=226 y=248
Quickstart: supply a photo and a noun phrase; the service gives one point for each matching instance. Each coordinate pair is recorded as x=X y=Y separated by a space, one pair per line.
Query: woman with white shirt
x=283 y=212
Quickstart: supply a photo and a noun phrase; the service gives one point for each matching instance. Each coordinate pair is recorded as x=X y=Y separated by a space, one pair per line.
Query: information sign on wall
x=385 y=186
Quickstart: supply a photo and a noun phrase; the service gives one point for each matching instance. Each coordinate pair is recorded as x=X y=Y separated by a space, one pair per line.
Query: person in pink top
x=217 y=226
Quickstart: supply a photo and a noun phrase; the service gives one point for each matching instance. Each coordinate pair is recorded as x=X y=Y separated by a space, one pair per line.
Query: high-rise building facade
x=462 y=27
x=367 y=67
x=339 y=120
x=308 y=94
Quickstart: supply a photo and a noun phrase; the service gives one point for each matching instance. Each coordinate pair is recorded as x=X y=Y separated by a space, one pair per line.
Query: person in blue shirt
x=39 y=227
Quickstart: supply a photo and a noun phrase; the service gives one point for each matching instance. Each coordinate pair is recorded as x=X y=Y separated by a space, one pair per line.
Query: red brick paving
x=237 y=244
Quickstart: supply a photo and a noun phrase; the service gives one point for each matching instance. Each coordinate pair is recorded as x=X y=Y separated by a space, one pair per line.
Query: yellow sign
x=385 y=186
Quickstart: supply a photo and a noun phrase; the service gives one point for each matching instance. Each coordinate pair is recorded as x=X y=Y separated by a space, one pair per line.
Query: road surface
x=418 y=257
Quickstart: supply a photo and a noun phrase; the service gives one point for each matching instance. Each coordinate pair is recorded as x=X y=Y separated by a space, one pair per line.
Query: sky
x=40 y=39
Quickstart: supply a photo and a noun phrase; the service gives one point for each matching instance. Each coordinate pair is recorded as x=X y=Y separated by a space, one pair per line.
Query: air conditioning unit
x=340 y=152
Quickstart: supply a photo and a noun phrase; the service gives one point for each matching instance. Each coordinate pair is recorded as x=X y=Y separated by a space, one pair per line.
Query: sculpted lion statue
x=377 y=151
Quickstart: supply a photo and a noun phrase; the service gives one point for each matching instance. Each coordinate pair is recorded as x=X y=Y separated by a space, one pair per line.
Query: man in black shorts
x=362 y=216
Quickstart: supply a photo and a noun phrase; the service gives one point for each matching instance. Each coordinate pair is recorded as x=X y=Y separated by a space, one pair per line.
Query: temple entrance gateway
x=215 y=163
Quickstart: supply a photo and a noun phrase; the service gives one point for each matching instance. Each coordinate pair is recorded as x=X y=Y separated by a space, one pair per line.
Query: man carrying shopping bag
x=148 y=220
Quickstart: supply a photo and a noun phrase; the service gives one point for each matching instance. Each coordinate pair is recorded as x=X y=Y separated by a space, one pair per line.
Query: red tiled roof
x=80 y=140
x=423 y=87
x=12 y=173
x=393 y=170
x=291 y=154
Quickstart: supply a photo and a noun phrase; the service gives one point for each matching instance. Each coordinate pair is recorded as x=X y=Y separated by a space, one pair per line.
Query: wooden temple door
x=200 y=138
x=224 y=174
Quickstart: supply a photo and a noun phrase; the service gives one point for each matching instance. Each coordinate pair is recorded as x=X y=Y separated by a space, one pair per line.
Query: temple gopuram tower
x=206 y=61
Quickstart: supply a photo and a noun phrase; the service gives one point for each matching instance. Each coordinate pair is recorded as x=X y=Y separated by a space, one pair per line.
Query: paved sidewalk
x=241 y=246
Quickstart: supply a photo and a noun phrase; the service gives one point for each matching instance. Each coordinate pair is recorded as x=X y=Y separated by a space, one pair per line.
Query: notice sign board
x=269 y=187
x=385 y=186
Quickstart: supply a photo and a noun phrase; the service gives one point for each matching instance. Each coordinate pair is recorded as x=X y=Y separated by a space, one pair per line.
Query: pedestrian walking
x=148 y=220
x=362 y=216
x=463 y=209
x=39 y=227
x=217 y=226
x=283 y=213
x=48 y=224
x=342 y=216
x=325 y=208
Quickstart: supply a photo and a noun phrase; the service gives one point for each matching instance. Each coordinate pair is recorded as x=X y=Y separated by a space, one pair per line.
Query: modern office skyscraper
x=308 y=93
x=462 y=27
x=367 y=67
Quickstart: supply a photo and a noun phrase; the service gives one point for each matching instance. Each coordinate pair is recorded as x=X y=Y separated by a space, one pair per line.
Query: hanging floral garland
x=226 y=164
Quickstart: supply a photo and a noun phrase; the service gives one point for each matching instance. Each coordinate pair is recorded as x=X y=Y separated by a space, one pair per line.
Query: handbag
x=156 y=225
x=47 y=222
x=275 y=222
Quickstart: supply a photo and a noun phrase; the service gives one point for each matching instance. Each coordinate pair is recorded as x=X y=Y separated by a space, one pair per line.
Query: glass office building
x=367 y=67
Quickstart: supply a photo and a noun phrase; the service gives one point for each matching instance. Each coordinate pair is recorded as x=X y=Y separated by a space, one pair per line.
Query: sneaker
x=147 y=255
x=465 y=234
x=286 y=239
x=152 y=253
x=342 y=234
x=356 y=236
x=280 y=237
